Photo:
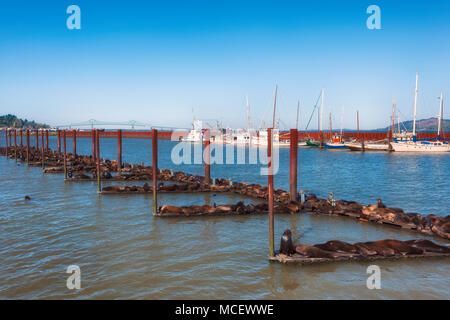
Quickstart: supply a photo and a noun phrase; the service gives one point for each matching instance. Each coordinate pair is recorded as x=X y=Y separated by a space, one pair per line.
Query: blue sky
x=155 y=61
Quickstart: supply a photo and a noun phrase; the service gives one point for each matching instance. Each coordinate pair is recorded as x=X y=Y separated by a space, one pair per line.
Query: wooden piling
x=28 y=146
x=59 y=141
x=270 y=195
x=207 y=156
x=36 y=132
x=65 y=155
x=21 y=137
x=46 y=140
x=293 y=163
x=15 y=145
x=6 y=142
x=10 y=142
x=93 y=145
x=155 y=169
x=42 y=148
x=97 y=145
x=74 y=142
x=119 y=151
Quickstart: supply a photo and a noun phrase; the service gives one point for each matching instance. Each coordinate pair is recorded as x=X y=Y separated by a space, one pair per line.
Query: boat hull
x=429 y=147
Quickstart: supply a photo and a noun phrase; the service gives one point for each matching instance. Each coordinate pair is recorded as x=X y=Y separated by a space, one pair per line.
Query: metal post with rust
x=21 y=137
x=10 y=141
x=42 y=148
x=119 y=151
x=293 y=164
x=207 y=156
x=65 y=155
x=97 y=145
x=270 y=182
x=36 y=132
x=155 y=169
x=46 y=140
x=15 y=145
x=74 y=142
x=93 y=145
x=59 y=141
x=6 y=142
x=28 y=147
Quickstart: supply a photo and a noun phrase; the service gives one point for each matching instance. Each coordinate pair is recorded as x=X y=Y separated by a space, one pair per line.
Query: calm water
x=125 y=252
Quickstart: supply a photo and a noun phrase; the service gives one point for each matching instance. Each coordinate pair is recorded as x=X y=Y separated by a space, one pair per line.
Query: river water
x=124 y=252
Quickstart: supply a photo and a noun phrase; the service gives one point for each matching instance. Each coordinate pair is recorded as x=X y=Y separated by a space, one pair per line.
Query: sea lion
x=286 y=246
x=380 y=250
x=337 y=246
x=314 y=252
x=171 y=209
x=380 y=203
x=365 y=250
x=399 y=247
x=428 y=246
x=27 y=198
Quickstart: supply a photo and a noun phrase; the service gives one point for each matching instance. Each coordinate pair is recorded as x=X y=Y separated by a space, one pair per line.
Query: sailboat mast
x=342 y=121
x=415 y=108
x=441 y=106
x=274 y=106
x=248 y=113
x=298 y=110
x=321 y=112
x=393 y=118
x=331 y=128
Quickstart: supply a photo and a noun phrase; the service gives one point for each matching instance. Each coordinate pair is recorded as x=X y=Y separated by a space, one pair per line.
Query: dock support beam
x=93 y=145
x=270 y=182
x=46 y=140
x=74 y=142
x=36 y=132
x=293 y=164
x=155 y=169
x=15 y=145
x=42 y=148
x=21 y=137
x=207 y=157
x=119 y=151
x=28 y=147
x=65 y=155
x=6 y=142
x=59 y=141
x=97 y=145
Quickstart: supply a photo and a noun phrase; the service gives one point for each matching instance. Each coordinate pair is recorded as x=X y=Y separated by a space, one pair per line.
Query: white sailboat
x=422 y=146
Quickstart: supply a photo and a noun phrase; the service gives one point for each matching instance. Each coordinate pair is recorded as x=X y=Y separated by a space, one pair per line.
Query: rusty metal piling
x=270 y=182
x=46 y=140
x=97 y=145
x=74 y=142
x=293 y=163
x=42 y=148
x=155 y=169
x=15 y=146
x=93 y=145
x=119 y=151
x=28 y=146
x=207 y=156
x=36 y=132
x=65 y=155
x=59 y=141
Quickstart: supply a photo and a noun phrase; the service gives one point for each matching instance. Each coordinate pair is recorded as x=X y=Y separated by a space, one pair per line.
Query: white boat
x=196 y=134
x=422 y=146
x=368 y=146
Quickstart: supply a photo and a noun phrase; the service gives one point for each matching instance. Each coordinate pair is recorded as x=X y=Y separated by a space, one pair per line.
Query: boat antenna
x=441 y=107
x=274 y=106
x=415 y=108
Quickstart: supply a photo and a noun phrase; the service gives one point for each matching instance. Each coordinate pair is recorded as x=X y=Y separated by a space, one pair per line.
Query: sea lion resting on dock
x=338 y=249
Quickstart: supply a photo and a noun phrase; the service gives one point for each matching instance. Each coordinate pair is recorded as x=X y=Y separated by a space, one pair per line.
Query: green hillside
x=10 y=121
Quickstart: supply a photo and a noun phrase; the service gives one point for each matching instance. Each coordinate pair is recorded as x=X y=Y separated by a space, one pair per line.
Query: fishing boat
x=368 y=146
x=427 y=146
x=336 y=140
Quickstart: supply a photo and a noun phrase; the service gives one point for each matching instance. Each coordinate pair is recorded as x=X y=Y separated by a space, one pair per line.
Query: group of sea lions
x=232 y=209
x=379 y=213
x=84 y=168
x=336 y=249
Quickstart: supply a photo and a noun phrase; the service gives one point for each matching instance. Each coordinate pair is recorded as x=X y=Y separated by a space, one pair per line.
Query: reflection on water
x=125 y=252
